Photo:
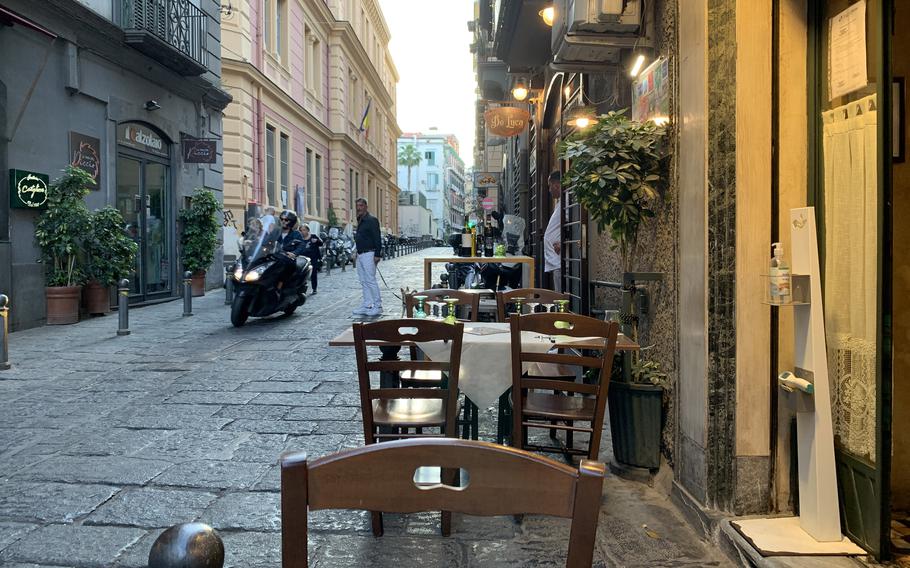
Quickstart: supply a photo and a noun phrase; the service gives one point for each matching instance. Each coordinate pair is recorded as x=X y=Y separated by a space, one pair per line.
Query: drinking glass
x=517 y=301
x=532 y=307
x=450 y=317
x=562 y=306
x=548 y=306
x=419 y=313
x=432 y=311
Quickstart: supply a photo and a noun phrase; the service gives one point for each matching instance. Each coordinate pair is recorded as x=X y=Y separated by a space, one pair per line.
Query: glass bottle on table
x=487 y=239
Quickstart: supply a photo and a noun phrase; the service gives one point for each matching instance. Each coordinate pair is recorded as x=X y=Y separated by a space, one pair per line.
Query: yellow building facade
x=312 y=126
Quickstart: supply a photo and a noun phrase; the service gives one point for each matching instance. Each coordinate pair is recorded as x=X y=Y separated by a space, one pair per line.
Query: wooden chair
x=503 y=481
x=560 y=411
x=391 y=413
x=540 y=295
x=553 y=372
x=467 y=302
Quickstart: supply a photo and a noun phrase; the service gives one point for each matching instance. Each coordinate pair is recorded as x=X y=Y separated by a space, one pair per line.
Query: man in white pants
x=369 y=252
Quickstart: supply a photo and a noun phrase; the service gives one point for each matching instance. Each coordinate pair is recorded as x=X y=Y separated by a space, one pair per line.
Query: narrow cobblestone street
x=106 y=440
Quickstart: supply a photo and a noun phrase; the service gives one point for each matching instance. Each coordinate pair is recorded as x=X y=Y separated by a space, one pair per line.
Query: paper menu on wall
x=847 y=51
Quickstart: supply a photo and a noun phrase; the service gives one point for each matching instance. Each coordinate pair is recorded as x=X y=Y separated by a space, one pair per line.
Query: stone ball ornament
x=187 y=545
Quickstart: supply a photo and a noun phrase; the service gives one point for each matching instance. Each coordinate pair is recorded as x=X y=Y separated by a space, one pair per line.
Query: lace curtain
x=851 y=245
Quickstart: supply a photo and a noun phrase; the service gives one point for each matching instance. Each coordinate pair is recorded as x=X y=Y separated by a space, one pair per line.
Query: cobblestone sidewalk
x=106 y=440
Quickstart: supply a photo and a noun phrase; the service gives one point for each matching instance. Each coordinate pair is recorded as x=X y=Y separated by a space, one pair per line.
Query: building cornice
x=248 y=70
x=355 y=49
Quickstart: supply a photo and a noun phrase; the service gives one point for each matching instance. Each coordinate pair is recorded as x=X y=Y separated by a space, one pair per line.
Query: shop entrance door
x=143 y=200
x=850 y=187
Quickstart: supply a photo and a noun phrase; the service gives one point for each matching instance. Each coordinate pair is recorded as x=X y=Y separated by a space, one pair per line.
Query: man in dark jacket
x=369 y=252
x=291 y=241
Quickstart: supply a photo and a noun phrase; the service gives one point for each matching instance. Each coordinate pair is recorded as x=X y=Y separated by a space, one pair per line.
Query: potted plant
x=109 y=254
x=636 y=413
x=199 y=237
x=59 y=232
x=616 y=171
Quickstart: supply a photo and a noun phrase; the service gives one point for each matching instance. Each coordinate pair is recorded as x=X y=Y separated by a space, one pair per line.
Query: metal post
x=187 y=293
x=228 y=284
x=4 y=333
x=123 y=307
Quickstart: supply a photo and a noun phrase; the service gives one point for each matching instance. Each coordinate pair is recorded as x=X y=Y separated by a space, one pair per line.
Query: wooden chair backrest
x=502 y=481
x=419 y=331
x=540 y=295
x=573 y=325
x=467 y=299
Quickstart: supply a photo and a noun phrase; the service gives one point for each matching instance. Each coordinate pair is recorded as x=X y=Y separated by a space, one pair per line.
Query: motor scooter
x=267 y=280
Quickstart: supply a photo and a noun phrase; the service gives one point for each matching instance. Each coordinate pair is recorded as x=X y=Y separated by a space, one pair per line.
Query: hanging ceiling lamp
x=582 y=116
x=520 y=90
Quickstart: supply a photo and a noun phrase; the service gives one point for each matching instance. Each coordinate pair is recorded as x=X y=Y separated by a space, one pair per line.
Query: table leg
x=427 y=274
x=504 y=418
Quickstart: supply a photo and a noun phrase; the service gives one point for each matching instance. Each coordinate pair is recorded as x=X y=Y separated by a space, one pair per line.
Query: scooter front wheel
x=240 y=310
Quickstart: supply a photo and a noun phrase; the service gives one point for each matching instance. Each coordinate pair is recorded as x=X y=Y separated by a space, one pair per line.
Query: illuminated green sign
x=27 y=190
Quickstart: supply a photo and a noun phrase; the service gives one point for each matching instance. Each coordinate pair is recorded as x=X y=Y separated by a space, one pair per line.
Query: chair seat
x=555 y=371
x=424 y=378
x=409 y=412
x=560 y=407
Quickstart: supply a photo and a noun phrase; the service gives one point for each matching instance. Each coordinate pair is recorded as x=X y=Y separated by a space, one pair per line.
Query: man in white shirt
x=268 y=220
x=552 y=238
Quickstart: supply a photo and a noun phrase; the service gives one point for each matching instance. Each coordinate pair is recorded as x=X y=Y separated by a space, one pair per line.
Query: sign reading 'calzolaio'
x=28 y=190
x=141 y=137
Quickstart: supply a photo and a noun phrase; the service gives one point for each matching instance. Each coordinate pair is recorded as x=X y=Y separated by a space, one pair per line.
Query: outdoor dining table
x=486 y=355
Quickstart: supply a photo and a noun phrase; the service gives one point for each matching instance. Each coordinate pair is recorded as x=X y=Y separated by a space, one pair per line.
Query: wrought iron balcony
x=173 y=32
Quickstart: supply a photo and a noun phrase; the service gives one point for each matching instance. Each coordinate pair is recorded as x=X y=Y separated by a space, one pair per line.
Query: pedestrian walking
x=368 y=242
x=314 y=253
x=552 y=237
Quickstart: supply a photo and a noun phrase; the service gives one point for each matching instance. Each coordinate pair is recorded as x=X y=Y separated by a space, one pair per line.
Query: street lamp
x=548 y=14
x=520 y=90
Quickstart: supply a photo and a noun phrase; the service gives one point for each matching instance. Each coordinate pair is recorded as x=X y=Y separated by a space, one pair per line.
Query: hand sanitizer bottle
x=779 y=276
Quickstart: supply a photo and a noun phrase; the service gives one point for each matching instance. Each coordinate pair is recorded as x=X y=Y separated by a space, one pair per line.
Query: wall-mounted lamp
x=637 y=65
x=548 y=14
x=152 y=105
x=582 y=117
x=520 y=90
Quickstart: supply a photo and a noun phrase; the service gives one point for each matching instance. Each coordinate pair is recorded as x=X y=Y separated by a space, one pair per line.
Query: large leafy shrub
x=199 y=238
x=109 y=252
x=61 y=228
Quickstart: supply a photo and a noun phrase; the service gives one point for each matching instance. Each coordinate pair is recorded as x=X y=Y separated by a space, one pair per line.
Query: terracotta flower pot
x=63 y=304
x=198 y=283
x=97 y=298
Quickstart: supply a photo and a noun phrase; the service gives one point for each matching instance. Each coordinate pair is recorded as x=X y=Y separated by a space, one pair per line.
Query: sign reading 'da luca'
x=486 y=179
x=199 y=151
x=506 y=121
x=85 y=153
x=27 y=190
x=141 y=137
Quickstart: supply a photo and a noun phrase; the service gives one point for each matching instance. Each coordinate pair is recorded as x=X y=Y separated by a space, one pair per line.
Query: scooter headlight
x=256 y=273
x=238 y=273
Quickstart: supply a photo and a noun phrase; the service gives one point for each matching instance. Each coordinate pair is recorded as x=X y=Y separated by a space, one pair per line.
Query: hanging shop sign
x=651 y=93
x=199 y=150
x=506 y=121
x=28 y=190
x=85 y=154
x=486 y=179
x=141 y=137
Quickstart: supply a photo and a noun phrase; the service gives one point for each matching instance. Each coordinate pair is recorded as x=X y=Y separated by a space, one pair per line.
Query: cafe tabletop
x=623 y=343
x=486 y=362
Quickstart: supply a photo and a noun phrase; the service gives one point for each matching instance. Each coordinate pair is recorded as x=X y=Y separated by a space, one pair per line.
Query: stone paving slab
x=185 y=419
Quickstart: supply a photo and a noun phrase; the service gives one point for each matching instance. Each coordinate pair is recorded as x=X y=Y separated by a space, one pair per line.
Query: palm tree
x=410 y=157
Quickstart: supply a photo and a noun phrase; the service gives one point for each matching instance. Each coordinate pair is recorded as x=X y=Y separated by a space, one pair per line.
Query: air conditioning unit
x=596 y=31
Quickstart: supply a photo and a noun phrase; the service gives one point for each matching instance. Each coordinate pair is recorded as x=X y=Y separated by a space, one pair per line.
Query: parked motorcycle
x=262 y=267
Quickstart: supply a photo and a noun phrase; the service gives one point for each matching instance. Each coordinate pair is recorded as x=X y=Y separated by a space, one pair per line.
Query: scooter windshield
x=257 y=245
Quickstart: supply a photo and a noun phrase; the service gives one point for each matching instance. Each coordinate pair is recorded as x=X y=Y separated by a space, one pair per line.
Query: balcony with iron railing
x=173 y=32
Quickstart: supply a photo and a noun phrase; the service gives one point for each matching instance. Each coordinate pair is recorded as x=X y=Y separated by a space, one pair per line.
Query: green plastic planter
x=635 y=421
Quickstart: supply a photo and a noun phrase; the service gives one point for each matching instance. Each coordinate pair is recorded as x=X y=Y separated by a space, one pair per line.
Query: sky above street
x=430 y=45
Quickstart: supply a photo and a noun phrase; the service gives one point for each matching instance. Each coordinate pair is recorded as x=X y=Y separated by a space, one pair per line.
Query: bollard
x=123 y=307
x=187 y=545
x=4 y=333
x=229 y=284
x=187 y=293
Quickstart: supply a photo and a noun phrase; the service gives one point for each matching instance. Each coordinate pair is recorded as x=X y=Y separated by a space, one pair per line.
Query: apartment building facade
x=313 y=123
x=439 y=177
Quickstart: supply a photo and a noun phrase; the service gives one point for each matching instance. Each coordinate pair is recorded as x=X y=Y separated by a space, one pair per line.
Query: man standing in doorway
x=369 y=250
x=552 y=238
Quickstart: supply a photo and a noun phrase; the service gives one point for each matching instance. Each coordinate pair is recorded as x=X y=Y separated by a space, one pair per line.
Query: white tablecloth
x=486 y=360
